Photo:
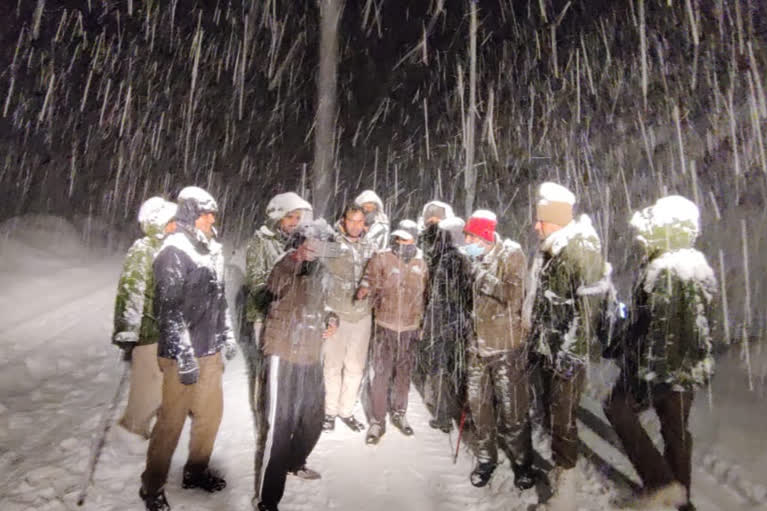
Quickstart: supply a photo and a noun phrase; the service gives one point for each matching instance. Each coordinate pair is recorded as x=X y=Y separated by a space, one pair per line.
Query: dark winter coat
x=190 y=304
x=669 y=338
x=297 y=316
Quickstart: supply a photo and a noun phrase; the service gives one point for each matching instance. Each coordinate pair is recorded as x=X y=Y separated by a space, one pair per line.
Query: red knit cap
x=482 y=224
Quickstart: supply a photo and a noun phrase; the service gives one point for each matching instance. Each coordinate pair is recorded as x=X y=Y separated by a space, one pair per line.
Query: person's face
x=369 y=207
x=472 y=239
x=545 y=229
x=433 y=220
x=205 y=223
x=170 y=227
x=400 y=241
x=289 y=222
x=354 y=224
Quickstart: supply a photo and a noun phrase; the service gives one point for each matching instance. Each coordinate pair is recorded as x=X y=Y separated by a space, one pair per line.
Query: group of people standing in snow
x=335 y=313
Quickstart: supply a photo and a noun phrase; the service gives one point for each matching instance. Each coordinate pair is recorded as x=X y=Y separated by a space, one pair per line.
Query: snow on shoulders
x=553 y=192
x=688 y=264
x=580 y=229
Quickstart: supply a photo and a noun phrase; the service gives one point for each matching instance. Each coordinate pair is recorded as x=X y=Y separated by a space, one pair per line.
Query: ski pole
x=107 y=418
x=460 y=432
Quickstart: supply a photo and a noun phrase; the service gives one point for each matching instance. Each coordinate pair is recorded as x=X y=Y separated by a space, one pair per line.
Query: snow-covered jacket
x=378 y=232
x=427 y=235
x=297 y=315
x=263 y=251
x=498 y=289
x=397 y=289
x=134 y=320
x=566 y=296
x=345 y=274
x=190 y=304
x=669 y=338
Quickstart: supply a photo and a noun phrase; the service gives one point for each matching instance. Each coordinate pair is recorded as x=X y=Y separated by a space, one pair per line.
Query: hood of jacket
x=672 y=223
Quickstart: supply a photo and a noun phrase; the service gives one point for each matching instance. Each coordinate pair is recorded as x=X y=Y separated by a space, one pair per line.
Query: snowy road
x=57 y=370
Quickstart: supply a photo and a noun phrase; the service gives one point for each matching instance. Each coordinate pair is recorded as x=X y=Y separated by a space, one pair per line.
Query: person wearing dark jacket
x=191 y=311
x=446 y=325
x=291 y=378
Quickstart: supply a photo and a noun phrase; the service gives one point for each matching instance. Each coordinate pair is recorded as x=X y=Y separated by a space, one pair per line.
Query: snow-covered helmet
x=282 y=204
x=155 y=213
x=193 y=202
x=671 y=223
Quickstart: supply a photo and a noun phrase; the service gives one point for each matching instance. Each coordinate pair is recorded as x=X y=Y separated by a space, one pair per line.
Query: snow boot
x=524 y=476
x=204 y=480
x=329 y=423
x=263 y=507
x=687 y=507
x=670 y=495
x=482 y=473
x=375 y=432
x=306 y=473
x=352 y=423
x=399 y=421
x=563 y=483
x=154 y=502
x=443 y=425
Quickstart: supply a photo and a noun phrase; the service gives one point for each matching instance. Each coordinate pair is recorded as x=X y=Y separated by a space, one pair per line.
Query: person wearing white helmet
x=135 y=328
x=193 y=319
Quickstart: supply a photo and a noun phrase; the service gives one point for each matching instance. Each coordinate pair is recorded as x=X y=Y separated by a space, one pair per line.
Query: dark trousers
x=561 y=396
x=499 y=398
x=673 y=409
x=289 y=424
x=392 y=363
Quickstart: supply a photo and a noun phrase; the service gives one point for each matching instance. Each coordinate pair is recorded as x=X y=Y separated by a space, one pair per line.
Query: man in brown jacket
x=497 y=379
x=395 y=280
x=290 y=378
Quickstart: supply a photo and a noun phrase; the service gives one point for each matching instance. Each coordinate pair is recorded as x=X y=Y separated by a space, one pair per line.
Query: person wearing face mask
x=497 y=380
x=376 y=221
x=431 y=215
x=193 y=319
x=395 y=282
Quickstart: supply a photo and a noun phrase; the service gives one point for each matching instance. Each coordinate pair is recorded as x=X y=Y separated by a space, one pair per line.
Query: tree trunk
x=324 y=132
x=470 y=175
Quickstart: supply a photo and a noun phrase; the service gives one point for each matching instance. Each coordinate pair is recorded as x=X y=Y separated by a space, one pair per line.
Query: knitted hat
x=555 y=204
x=482 y=223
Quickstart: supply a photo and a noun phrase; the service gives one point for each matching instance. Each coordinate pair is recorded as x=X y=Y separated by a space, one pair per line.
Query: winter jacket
x=263 y=251
x=297 y=315
x=190 y=304
x=397 y=290
x=567 y=296
x=669 y=339
x=498 y=290
x=345 y=275
x=427 y=235
x=378 y=232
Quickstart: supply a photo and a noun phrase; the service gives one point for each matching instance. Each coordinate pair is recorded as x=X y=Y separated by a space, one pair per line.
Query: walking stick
x=460 y=432
x=107 y=418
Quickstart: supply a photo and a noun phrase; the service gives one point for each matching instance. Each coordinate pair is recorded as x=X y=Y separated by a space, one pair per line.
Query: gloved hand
x=188 y=368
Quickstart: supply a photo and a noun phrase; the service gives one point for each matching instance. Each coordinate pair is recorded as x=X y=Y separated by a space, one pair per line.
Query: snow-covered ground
x=57 y=371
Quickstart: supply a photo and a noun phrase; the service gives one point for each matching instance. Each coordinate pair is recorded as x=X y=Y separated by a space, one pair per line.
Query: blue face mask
x=473 y=250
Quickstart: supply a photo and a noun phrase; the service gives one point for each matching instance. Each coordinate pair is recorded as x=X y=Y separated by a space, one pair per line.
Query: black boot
x=375 y=432
x=352 y=422
x=204 y=480
x=263 y=507
x=154 y=502
x=482 y=473
x=443 y=425
x=399 y=421
x=329 y=423
x=524 y=476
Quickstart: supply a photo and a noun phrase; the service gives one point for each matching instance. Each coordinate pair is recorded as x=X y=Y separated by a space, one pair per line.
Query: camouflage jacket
x=263 y=251
x=498 y=290
x=345 y=275
x=669 y=339
x=566 y=299
x=134 y=320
